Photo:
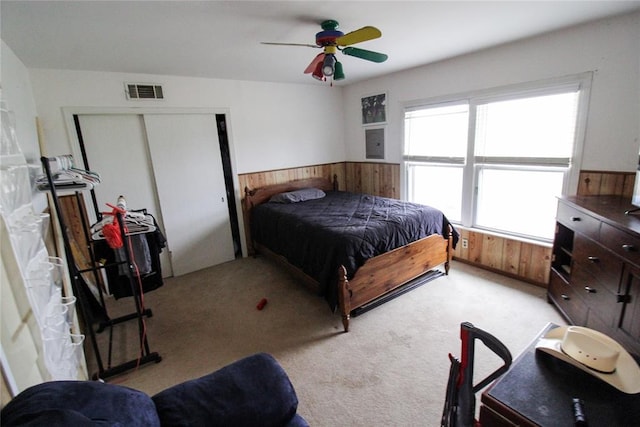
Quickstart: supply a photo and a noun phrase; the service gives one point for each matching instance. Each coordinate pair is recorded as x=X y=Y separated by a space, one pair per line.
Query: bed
x=336 y=244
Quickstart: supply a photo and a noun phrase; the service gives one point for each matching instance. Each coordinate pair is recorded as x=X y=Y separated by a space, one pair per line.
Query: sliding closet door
x=116 y=147
x=185 y=154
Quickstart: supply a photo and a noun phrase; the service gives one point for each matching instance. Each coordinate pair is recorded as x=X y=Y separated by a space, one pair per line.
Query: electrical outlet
x=465 y=243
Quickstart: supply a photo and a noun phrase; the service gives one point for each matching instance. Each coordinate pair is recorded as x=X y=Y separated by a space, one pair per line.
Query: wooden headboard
x=257 y=196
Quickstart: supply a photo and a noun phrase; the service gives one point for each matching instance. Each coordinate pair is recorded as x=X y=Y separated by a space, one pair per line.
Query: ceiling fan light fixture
x=328 y=66
x=338 y=74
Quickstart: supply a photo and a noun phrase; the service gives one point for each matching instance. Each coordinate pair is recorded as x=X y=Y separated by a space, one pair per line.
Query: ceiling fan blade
x=357 y=36
x=291 y=44
x=365 y=54
x=312 y=66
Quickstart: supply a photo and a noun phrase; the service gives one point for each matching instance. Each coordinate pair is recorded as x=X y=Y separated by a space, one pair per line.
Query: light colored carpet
x=391 y=369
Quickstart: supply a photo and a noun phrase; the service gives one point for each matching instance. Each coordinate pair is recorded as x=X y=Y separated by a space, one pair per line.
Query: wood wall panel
x=526 y=261
x=260 y=179
x=380 y=179
x=603 y=183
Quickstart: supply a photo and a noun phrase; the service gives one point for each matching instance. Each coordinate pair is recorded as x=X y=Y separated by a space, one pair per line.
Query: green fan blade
x=365 y=54
x=357 y=36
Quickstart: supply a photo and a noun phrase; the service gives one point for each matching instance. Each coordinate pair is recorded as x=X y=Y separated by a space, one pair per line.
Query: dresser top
x=610 y=209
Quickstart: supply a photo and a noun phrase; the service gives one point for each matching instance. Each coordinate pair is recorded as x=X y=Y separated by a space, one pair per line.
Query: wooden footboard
x=384 y=273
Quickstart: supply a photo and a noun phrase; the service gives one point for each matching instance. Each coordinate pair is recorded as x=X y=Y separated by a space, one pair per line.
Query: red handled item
x=261 y=304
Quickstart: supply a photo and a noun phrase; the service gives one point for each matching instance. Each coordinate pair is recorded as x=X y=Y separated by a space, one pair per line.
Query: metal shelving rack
x=146 y=356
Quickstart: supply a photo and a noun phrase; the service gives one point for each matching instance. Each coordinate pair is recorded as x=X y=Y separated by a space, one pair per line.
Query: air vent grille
x=143 y=91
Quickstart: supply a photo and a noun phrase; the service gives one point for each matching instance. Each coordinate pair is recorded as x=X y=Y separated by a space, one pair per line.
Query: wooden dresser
x=595 y=268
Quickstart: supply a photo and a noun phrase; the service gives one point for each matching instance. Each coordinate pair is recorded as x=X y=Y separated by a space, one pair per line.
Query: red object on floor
x=261 y=304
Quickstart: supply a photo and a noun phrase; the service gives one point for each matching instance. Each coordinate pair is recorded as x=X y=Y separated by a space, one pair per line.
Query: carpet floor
x=391 y=369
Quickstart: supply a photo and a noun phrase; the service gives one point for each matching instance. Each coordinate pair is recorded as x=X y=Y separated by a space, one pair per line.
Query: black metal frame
x=146 y=356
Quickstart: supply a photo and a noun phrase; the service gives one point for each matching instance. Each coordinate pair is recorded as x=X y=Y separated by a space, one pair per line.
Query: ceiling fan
x=331 y=40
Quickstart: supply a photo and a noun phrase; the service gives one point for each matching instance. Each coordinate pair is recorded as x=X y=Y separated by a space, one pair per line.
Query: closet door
x=116 y=146
x=185 y=154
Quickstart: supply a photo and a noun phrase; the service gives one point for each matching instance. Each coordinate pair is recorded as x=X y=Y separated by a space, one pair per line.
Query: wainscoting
x=260 y=179
x=597 y=183
x=380 y=179
x=524 y=260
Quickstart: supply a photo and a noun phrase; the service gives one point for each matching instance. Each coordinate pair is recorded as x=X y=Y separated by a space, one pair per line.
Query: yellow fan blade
x=357 y=36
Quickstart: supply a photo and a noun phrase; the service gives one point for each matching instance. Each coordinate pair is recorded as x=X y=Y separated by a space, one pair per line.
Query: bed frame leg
x=449 y=250
x=345 y=322
x=344 y=297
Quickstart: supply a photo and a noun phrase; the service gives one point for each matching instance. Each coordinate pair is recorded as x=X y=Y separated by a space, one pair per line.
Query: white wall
x=16 y=91
x=272 y=125
x=610 y=48
x=21 y=348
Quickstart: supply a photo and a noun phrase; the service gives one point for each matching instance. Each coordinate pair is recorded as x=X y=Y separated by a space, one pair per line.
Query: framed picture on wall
x=374 y=109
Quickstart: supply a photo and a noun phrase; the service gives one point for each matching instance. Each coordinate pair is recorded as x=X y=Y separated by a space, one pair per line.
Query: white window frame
x=473 y=99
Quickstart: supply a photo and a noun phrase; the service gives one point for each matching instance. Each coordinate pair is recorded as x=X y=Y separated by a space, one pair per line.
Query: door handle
x=593 y=259
x=565 y=297
x=590 y=289
x=575 y=218
x=629 y=248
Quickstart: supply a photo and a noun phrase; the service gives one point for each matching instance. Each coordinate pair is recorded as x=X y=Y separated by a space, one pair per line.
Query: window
x=496 y=161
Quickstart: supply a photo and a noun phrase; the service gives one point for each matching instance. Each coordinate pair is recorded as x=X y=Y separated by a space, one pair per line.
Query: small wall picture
x=374 y=109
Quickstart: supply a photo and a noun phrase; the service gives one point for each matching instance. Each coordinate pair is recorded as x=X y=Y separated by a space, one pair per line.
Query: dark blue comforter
x=342 y=228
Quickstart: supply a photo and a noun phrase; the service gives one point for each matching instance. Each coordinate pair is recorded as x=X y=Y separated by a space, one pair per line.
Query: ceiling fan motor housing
x=328 y=37
x=329 y=33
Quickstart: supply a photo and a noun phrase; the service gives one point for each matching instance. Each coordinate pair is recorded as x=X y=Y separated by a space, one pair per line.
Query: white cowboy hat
x=594 y=353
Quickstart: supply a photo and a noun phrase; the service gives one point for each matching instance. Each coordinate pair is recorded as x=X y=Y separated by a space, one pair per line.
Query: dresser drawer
x=605 y=266
x=624 y=244
x=594 y=321
x=567 y=299
x=595 y=295
x=578 y=220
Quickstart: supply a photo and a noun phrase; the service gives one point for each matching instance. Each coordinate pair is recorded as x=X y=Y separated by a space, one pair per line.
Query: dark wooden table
x=538 y=390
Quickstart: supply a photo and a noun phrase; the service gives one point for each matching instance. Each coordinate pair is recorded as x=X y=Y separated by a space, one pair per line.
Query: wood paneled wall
x=260 y=179
x=381 y=179
x=598 y=183
x=528 y=261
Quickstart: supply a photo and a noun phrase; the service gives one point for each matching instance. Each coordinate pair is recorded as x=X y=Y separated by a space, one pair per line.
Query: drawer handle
x=565 y=297
x=629 y=248
x=623 y=298
x=593 y=259
x=590 y=289
x=575 y=218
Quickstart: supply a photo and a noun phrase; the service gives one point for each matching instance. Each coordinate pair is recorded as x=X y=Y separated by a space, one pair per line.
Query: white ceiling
x=221 y=39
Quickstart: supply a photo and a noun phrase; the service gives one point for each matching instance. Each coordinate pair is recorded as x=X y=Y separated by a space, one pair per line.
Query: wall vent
x=143 y=91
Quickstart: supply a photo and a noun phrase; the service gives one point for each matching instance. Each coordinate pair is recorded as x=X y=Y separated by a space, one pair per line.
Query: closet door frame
x=70 y=112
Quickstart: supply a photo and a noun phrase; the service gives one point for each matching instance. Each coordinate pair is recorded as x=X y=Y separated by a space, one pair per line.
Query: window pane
x=437 y=131
x=541 y=126
x=519 y=201
x=437 y=186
